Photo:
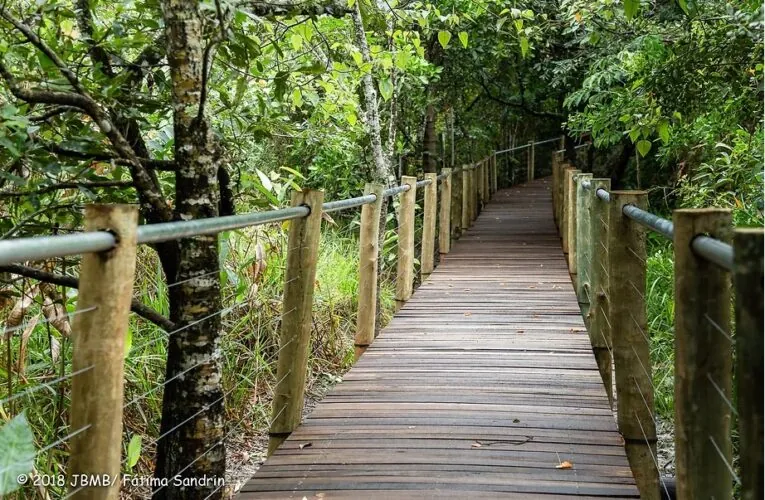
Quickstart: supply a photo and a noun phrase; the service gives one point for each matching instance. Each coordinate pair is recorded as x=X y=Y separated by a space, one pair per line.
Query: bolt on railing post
x=600 y=330
x=631 y=349
x=444 y=213
x=703 y=360
x=405 y=261
x=466 y=210
x=584 y=246
x=297 y=305
x=748 y=288
x=569 y=245
x=105 y=292
x=430 y=205
x=369 y=247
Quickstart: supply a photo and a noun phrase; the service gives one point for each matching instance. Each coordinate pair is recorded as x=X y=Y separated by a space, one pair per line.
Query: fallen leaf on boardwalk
x=516 y=421
x=565 y=465
x=519 y=331
x=306 y=445
x=532 y=287
x=476 y=445
x=468 y=313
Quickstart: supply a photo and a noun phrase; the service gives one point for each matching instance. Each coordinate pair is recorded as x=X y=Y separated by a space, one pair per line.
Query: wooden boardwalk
x=478 y=388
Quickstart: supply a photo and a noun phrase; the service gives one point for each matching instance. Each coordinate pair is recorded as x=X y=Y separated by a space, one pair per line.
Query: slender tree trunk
x=429 y=140
x=382 y=168
x=190 y=442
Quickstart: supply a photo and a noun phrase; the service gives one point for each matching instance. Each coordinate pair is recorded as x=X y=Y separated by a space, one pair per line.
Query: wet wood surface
x=481 y=386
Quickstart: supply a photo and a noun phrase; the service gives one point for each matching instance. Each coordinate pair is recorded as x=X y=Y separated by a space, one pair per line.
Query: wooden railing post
x=297 y=304
x=494 y=173
x=485 y=179
x=466 y=210
x=530 y=162
x=98 y=334
x=631 y=350
x=479 y=186
x=473 y=192
x=554 y=189
x=703 y=360
x=584 y=198
x=369 y=247
x=747 y=282
x=569 y=238
x=600 y=330
x=455 y=217
x=444 y=213
x=405 y=261
x=562 y=202
x=429 y=226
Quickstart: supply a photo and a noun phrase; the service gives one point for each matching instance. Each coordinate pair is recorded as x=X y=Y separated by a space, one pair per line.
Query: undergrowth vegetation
x=252 y=263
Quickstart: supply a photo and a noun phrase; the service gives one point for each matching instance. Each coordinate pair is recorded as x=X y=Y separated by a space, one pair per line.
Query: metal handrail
x=715 y=251
x=46 y=247
x=536 y=143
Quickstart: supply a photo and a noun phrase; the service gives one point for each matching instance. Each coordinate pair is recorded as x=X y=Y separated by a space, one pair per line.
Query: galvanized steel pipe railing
x=715 y=251
x=47 y=247
x=522 y=146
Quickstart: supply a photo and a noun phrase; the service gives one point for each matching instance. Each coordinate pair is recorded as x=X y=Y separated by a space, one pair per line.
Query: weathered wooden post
x=494 y=172
x=456 y=186
x=747 y=282
x=369 y=247
x=570 y=237
x=584 y=197
x=600 y=330
x=703 y=360
x=554 y=189
x=530 y=162
x=405 y=261
x=485 y=177
x=631 y=350
x=473 y=192
x=466 y=210
x=98 y=334
x=479 y=186
x=562 y=201
x=429 y=226
x=444 y=213
x=297 y=304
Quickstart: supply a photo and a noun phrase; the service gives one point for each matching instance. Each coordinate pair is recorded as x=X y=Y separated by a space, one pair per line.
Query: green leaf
x=634 y=134
x=443 y=38
x=351 y=117
x=631 y=8
x=524 y=46
x=297 y=98
x=684 y=5
x=643 y=147
x=134 y=450
x=296 y=41
x=128 y=342
x=663 y=129
x=386 y=88
x=18 y=456
x=519 y=25
x=463 y=36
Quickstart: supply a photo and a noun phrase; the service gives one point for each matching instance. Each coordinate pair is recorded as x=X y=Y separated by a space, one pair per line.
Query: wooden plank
x=490 y=351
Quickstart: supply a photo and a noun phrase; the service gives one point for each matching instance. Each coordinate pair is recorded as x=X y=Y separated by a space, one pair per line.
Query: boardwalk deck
x=478 y=388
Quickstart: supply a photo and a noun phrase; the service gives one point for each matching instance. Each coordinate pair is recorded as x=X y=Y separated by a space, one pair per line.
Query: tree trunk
x=382 y=170
x=429 y=141
x=191 y=434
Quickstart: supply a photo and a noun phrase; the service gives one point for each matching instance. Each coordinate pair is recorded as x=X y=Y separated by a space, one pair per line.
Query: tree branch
x=136 y=306
x=264 y=8
x=521 y=105
x=67 y=185
x=163 y=165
